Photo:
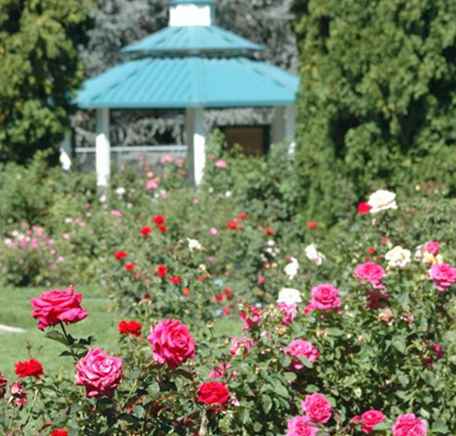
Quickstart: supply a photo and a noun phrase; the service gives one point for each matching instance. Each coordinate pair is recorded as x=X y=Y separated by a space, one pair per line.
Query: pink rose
x=289 y=312
x=317 y=408
x=220 y=164
x=301 y=426
x=213 y=231
x=370 y=272
x=220 y=371
x=99 y=373
x=241 y=346
x=251 y=316
x=369 y=420
x=432 y=247
x=325 y=297
x=409 y=425
x=53 y=307
x=152 y=184
x=443 y=276
x=301 y=348
x=166 y=159
x=171 y=343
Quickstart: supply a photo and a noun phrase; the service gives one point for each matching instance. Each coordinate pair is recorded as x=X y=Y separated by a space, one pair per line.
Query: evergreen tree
x=39 y=69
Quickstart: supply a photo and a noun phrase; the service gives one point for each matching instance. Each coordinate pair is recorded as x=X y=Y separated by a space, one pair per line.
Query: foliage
x=377 y=99
x=40 y=68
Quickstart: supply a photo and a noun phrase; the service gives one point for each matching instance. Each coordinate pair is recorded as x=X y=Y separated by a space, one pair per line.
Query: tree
x=377 y=104
x=40 y=69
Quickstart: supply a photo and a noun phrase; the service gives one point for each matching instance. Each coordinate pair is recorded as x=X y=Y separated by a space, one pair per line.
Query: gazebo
x=191 y=65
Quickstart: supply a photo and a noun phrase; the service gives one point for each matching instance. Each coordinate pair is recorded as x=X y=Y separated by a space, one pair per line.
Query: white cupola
x=184 y=13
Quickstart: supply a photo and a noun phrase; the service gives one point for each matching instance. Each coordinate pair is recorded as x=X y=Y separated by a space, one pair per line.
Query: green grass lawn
x=16 y=311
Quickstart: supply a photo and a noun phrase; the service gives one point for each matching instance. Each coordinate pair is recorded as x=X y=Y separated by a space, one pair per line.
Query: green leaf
x=266 y=403
x=57 y=336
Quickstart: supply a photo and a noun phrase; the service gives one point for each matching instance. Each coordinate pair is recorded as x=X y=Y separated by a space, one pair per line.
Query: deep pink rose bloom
x=301 y=348
x=432 y=247
x=99 y=373
x=241 y=346
x=443 y=276
x=325 y=297
x=369 y=420
x=409 y=425
x=301 y=426
x=55 y=306
x=171 y=343
x=289 y=312
x=317 y=408
x=370 y=272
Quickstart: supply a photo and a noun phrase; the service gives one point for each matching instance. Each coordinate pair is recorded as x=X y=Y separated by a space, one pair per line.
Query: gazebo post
x=284 y=126
x=103 y=149
x=195 y=131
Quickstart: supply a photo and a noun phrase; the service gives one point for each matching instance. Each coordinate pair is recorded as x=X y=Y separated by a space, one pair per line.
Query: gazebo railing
x=129 y=156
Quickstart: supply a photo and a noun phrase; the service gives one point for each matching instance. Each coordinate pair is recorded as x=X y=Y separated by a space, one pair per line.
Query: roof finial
x=184 y=13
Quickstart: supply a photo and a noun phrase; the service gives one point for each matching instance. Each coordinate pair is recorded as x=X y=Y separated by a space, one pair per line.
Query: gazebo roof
x=189 y=82
x=202 y=39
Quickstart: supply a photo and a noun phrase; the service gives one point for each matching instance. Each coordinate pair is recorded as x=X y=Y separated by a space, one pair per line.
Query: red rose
x=145 y=231
x=228 y=293
x=162 y=229
x=269 y=231
x=213 y=393
x=129 y=328
x=226 y=310
x=363 y=208
x=159 y=220
x=161 y=271
x=233 y=224
x=242 y=216
x=29 y=368
x=129 y=266
x=369 y=420
x=59 y=432
x=3 y=383
x=186 y=292
x=120 y=255
x=218 y=298
x=312 y=225
x=372 y=250
x=175 y=280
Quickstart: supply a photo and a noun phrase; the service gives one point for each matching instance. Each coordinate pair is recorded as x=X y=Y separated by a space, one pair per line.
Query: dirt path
x=9 y=329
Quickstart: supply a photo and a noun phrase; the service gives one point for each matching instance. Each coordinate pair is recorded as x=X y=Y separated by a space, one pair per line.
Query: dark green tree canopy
x=378 y=96
x=39 y=69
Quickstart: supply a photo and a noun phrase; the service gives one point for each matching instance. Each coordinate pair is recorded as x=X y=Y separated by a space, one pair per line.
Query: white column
x=196 y=141
x=283 y=127
x=103 y=149
x=65 y=151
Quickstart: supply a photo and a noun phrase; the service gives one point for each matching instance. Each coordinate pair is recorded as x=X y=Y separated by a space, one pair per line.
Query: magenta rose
x=241 y=345
x=289 y=312
x=325 y=297
x=409 y=425
x=317 y=408
x=370 y=272
x=301 y=426
x=171 y=343
x=301 y=348
x=432 y=247
x=99 y=373
x=53 y=307
x=443 y=276
x=369 y=420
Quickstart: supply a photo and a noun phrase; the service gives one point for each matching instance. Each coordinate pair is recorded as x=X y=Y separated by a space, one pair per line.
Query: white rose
x=398 y=257
x=193 y=244
x=289 y=296
x=314 y=255
x=291 y=270
x=120 y=191
x=382 y=200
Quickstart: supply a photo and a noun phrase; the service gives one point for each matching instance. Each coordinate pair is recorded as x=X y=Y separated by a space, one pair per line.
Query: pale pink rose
x=116 y=213
x=369 y=420
x=409 y=425
x=53 y=307
x=19 y=394
x=213 y=231
x=370 y=272
x=166 y=159
x=241 y=345
x=220 y=370
x=179 y=162
x=443 y=276
x=172 y=343
x=289 y=312
x=301 y=348
x=99 y=373
x=163 y=194
x=221 y=164
x=317 y=408
x=152 y=184
x=432 y=247
x=301 y=426
x=325 y=297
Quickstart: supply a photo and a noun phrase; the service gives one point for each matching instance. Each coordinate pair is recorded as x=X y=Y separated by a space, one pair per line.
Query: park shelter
x=192 y=65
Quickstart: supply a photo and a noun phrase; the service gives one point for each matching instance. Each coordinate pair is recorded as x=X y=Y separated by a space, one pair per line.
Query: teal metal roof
x=175 y=40
x=189 y=82
x=189 y=2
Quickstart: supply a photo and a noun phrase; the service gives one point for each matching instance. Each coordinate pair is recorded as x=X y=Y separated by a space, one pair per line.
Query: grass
x=15 y=310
